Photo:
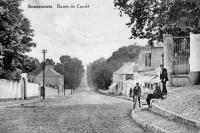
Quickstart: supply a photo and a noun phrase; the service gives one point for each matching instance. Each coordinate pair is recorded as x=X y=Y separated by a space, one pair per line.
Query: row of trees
x=100 y=72
x=15 y=40
x=71 y=68
x=150 y=19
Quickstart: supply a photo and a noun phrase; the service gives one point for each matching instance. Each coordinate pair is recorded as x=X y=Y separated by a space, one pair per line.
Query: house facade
x=52 y=78
x=122 y=76
x=149 y=66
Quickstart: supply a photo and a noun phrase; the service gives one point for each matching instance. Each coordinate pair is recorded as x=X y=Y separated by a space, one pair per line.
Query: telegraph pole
x=44 y=51
x=64 y=76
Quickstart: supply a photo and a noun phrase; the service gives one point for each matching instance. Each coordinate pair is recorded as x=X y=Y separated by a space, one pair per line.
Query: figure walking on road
x=164 y=79
x=135 y=93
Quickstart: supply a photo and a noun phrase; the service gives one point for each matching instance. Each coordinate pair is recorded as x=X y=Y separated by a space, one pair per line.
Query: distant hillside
x=100 y=71
x=124 y=54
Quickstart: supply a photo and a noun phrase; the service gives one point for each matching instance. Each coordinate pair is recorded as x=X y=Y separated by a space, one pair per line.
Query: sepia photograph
x=99 y=66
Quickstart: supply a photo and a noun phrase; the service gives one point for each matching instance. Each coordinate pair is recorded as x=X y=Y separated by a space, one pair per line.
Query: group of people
x=135 y=92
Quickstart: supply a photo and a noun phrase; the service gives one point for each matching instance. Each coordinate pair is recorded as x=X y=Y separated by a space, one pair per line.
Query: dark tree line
x=72 y=69
x=100 y=72
x=15 y=40
x=99 y=75
x=151 y=19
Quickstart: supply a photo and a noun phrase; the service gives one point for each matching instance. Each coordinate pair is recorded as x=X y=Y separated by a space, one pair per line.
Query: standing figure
x=164 y=79
x=156 y=94
x=135 y=93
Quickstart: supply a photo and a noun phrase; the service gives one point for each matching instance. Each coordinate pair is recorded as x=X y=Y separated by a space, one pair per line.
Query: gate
x=181 y=55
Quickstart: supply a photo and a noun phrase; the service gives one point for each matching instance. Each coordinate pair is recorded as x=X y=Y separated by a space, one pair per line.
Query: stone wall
x=11 y=89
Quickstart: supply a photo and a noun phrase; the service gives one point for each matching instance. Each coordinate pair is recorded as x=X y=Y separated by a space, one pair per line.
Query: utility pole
x=44 y=51
x=64 y=76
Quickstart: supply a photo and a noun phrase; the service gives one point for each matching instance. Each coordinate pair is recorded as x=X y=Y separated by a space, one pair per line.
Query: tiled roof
x=128 y=68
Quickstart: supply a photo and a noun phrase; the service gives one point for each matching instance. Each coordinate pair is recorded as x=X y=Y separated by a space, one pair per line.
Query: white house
x=52 y=78
x=126 y=73
x=145 y=72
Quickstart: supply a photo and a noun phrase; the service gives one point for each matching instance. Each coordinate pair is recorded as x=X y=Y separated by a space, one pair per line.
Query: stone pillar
x=23 y=85
x=194 y=58
x=168 y=56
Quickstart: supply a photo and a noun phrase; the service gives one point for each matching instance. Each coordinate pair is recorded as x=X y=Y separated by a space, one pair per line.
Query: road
x=84 y=111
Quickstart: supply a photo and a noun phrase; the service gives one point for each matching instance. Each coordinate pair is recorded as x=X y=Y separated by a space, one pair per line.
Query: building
x=52 y=78
x=149 y=66
x=126 y=73
x=181 y=59
x=145 y=72
x=151 y=58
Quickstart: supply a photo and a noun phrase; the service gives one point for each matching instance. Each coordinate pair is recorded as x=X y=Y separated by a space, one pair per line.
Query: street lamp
x=44 y=51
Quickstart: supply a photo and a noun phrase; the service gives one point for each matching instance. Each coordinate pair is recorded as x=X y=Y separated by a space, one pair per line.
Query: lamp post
x=44 y=51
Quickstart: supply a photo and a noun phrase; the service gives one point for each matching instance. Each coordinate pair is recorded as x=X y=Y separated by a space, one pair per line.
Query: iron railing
x=181 y=55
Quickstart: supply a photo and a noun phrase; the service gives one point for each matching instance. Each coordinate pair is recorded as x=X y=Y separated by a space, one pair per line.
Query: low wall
x=10 y=89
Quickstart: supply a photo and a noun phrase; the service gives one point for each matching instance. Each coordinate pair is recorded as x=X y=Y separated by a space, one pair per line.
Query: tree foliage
x=15 y=38
x=72 y=69
x=151 y=19
x=40 y=65
x=99 y=75
x=100 y=72
x=124 y=54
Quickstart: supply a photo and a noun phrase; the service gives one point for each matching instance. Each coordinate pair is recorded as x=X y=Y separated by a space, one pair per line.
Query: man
x=135 y=93
x=164 y=79
x=156 y=94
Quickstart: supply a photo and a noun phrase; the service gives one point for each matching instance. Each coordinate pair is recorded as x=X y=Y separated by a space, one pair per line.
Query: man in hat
x=164 y=79
x=156 y=94
x=135 y=93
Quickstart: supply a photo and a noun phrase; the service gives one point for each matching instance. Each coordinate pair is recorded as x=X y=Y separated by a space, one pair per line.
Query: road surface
x=84 y=111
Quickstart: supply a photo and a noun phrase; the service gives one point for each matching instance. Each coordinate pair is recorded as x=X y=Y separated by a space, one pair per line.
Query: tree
x=99 y=75
x=15 y=37
x=151 y=19
x=124 y=54
x=30 y=64
x=72 y=69
x=100 y=71
x=40 y=66
x=50 y=62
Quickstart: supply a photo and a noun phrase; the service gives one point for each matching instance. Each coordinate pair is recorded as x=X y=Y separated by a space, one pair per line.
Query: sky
x=85 y=33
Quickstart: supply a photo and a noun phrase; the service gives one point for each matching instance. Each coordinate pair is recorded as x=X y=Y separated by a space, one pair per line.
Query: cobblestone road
x=82 y=112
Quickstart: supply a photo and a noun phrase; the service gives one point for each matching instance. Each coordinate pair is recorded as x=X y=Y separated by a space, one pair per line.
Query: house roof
x=146 y=52
x=128 y=68
x=50 y=72
x=56 y=73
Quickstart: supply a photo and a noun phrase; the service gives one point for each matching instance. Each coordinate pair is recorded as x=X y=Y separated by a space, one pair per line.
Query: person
x=135 y=93
x=164 y=79
x=156 y=94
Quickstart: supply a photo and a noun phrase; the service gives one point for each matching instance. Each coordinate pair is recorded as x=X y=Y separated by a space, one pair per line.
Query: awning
x=113 y=85
x=155 y=79
x=143 y=79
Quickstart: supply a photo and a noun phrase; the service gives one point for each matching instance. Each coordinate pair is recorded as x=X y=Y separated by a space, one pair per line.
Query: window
x=129 y=76
x=148 y=59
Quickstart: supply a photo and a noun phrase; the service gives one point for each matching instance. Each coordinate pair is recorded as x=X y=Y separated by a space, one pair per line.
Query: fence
x=181 y=55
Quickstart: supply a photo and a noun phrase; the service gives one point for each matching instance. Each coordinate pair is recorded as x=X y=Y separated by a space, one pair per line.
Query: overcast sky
x=87 y=34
